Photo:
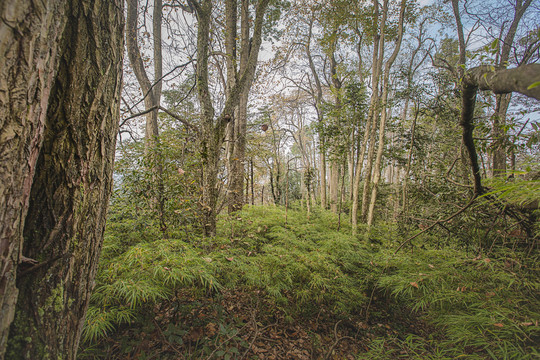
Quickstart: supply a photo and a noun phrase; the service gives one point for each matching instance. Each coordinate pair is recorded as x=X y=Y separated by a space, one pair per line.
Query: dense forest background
x=292 y=180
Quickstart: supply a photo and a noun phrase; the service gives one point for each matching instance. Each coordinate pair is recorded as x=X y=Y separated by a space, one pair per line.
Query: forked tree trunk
x=29 y=45
x=374 y=112
x=213 y=128
x=376 y=68
x=384 y=114
x=73 y=180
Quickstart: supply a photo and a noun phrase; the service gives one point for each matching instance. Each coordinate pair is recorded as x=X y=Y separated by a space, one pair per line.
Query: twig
x=338 y=339
x=166 y=341
x=437 y=223
x=183 y=121
x=226 y=341
x=254 y=337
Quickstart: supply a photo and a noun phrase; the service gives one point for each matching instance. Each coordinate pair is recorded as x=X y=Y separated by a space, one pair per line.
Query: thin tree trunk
x=151 y=93
x=384 y=113
x=318 y=107
x=376 y=68
x=374 y=117
x=409 y=162
x=334 y=180
x=69 y=194
x=502 y=101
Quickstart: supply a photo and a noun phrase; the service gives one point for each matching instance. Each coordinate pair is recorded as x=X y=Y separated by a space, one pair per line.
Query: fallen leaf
x=498 y=325
x=230 y=258
x=415 y=284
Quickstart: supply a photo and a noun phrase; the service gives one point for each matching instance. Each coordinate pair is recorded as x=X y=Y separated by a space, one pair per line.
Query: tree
x=212 y=126
x=238 y=64
x=151 y=92
x=378 y=52
x=384 y=113
x=524 y=79
x=61 y=66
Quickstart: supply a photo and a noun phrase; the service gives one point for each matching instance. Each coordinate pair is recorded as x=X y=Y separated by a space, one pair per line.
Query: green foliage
x=481 y=307
x=485 y=305
x=299 y=266
x=138 y=183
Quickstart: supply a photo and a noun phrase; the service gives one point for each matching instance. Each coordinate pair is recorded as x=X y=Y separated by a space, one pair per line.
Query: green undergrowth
x=487 y=307
x=481 y=307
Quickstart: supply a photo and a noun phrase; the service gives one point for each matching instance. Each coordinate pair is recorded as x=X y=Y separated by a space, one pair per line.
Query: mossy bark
x=29 y=40
x=64 y=225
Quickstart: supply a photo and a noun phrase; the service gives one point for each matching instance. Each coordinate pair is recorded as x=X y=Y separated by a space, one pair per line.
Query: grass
x=481 y=307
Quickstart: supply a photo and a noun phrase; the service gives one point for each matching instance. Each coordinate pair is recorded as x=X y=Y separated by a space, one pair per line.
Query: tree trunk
x=237 y=161
x=151 y=95
x=213 y=129
x=385 y=113
x=334 y=183
x=499 y=134
x=409 y=162
x=237 y=167
x=70 y=192
x=29 y=44
x=323 y=176
x=503 y=101
x=378 y=50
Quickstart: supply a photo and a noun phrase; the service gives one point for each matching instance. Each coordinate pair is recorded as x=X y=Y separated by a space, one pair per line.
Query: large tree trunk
x=29 y=40
x=69 y=195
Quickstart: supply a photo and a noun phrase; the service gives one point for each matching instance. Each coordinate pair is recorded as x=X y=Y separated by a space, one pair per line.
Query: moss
x=56 y=300
x=17 y=347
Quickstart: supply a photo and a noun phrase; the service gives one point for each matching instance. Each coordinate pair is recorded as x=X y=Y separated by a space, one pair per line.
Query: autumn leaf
x=498 y=325
x=230 y=258
x=415 y=284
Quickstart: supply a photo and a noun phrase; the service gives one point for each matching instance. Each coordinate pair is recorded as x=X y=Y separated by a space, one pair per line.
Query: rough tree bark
x=64 y=225
x=29 y=41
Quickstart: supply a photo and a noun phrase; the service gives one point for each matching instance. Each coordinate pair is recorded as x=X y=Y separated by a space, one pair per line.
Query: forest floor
x=243 y=325
x=272 y=285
